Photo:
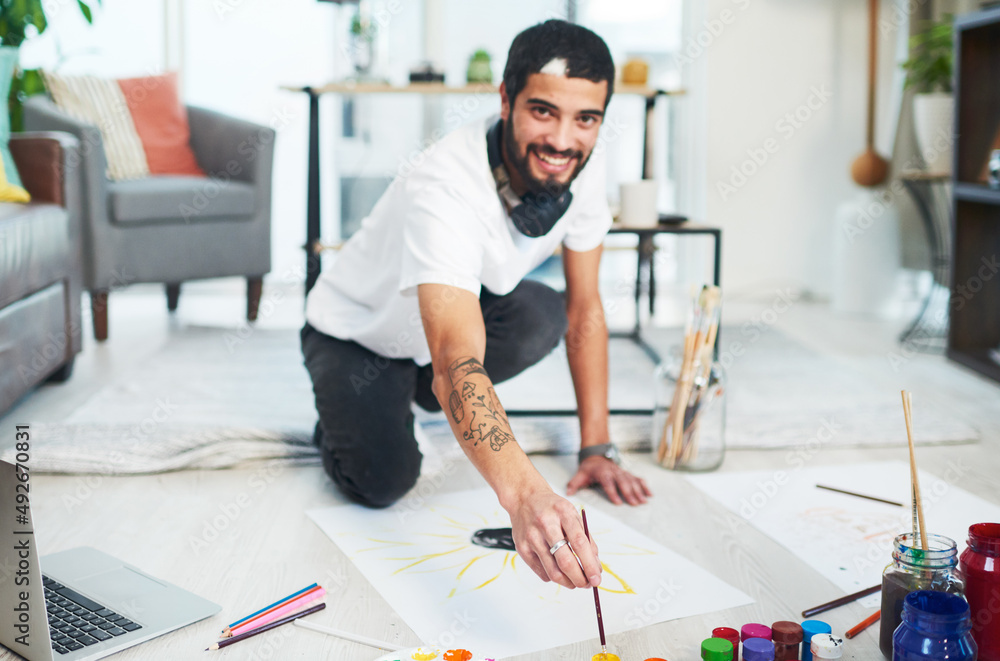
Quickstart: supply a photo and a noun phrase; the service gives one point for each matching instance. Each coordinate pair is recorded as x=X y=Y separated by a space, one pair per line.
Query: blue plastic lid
x=758 y=649
x=812 y=627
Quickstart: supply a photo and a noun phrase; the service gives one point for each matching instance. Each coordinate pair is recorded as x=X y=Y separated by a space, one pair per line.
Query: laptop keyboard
x=76 y=621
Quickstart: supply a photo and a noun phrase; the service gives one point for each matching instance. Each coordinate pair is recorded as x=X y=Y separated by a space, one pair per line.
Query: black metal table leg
x=921 y=191
x=312 y=201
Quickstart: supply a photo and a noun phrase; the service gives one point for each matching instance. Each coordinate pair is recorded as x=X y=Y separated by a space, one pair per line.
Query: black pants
x=365 y=428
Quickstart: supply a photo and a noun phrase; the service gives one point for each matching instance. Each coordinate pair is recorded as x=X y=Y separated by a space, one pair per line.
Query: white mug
x=638 y=204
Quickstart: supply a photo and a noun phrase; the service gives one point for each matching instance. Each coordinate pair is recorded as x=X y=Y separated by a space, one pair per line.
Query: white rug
x=211 y=399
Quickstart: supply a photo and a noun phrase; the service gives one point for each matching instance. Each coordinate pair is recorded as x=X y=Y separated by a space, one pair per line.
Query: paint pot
x=980 y=563
x=457 y=655
x=787 y=637
x=812 y=628
x=754 y=630
x=825 y=646
x=758 y=649
x=936 y=625
x=732 y=635
x=716 y=649
x=914 y=569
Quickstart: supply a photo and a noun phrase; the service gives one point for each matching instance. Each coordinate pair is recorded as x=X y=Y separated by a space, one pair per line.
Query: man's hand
x=541 y=519
x=612 y=478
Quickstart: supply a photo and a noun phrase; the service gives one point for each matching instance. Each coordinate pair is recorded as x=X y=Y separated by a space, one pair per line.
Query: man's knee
x=374 y=481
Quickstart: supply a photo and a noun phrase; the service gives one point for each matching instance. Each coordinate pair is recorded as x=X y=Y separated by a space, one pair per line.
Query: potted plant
x=19 y=21
x=928 y=73
x=479 y=70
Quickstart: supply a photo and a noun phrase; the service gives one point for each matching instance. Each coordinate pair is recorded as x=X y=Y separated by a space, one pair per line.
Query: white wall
x=771 y=58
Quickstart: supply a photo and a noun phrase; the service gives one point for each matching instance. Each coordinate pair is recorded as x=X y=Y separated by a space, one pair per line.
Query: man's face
x=550 y=131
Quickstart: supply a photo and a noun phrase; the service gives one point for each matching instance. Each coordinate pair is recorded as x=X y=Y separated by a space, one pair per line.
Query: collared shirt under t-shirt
x=443 y=224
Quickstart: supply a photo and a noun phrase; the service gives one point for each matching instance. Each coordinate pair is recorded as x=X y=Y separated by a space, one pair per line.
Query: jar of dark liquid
x=980 y=564
x=914 y=569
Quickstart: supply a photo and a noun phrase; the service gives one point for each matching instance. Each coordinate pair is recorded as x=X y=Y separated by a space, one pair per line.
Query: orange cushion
x=162 y=124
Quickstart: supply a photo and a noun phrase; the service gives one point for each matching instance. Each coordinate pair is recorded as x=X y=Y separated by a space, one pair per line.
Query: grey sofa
x=40 y=267
x=171 y=229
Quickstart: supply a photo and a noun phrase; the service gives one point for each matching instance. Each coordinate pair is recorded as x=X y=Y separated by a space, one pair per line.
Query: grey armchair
x=167 y=228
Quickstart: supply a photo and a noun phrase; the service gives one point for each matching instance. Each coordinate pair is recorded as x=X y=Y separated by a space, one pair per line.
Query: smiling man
x=427 y=302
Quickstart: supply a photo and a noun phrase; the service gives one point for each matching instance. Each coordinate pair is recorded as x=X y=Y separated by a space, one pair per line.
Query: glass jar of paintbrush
x=914 y=568
x=689 y=418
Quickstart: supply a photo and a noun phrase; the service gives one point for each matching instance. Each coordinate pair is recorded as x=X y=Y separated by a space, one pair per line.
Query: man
x=426 y=302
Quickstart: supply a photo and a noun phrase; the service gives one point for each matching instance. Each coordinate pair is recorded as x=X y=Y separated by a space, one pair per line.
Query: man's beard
x=549 y=186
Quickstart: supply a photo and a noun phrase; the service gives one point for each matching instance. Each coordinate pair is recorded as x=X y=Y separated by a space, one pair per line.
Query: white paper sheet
x=453 y=592
x=847 y=539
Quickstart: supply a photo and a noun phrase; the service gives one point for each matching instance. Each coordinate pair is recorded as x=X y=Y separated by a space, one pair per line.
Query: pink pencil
x=276 y=613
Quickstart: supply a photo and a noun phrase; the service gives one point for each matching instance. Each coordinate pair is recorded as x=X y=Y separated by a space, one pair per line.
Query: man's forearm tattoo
x=463 y=367
x=487 y=414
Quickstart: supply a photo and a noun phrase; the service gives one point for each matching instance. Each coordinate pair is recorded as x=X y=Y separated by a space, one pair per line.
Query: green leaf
x=32 y=82
x=86 y=11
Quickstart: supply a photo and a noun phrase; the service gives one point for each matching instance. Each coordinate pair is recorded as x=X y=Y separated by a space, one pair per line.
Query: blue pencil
x=291 y=596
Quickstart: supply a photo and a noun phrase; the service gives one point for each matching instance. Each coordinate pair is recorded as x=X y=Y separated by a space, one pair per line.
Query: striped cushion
x=101 y=102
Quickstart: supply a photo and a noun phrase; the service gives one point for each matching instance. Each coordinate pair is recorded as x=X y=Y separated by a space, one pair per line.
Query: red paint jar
x=980 y=562
x=732 y=635
x=787 y=637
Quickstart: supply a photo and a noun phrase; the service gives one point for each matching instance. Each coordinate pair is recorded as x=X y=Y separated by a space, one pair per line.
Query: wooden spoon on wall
x=870 y=169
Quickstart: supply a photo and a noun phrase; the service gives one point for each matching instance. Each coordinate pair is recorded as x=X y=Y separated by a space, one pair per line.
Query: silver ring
x=558 y=545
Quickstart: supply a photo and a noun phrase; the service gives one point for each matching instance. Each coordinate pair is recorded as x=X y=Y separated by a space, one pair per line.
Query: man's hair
x=585 y=53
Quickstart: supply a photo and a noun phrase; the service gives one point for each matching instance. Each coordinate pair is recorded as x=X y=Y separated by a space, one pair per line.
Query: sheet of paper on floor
x=848 y=540
x=422 y=561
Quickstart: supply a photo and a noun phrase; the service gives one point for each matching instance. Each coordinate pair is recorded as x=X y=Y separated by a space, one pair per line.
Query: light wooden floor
x=188 y=527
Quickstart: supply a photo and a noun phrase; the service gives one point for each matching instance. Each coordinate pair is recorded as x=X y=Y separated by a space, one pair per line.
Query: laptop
x=81 y=603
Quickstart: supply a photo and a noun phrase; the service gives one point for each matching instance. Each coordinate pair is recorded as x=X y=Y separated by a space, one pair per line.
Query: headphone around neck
x=533 y=214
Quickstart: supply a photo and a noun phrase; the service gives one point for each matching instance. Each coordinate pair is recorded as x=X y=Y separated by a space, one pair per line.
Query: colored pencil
x=279 y=611
x=353 y=637
x=864 y=624
x=266 y=627
x=822 y=608
x=860 y=495
x=597 y=598
x=269 y=607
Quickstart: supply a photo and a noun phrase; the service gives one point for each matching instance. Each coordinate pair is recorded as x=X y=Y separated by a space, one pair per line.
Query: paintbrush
x=914 y=480
x=597 y=598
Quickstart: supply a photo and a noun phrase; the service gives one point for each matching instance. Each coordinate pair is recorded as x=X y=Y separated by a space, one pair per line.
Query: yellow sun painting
x=472 y=551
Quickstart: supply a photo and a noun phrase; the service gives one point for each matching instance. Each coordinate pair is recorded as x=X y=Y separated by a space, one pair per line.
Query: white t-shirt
x=444 y=224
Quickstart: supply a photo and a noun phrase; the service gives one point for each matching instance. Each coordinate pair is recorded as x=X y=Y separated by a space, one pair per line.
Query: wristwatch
x=606 y=450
